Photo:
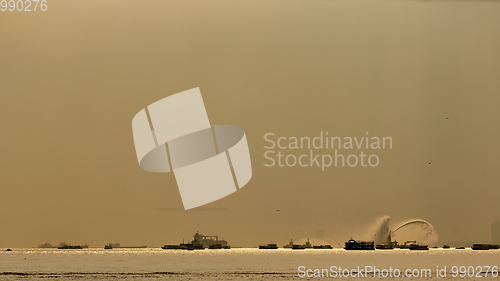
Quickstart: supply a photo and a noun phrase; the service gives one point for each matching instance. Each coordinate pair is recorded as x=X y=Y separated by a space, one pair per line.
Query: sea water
x=240 y=264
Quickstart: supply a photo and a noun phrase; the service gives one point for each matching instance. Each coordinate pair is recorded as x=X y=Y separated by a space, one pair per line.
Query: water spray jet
x=416 y=230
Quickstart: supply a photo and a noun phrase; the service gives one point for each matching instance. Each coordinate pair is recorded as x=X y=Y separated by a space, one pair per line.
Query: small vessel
x=200 y=242
x=8 y=250
x=207 y=241
x=289 y=245
x=395 y=244
x=322 y=247
x=65 y=246
x=298 y=247
x=460 y=248
x=308 y=244
x=384 y=247
x=70 y=247
x=407 y=244
x=268 y=246
x=416 y=246
x=485 y=247
x=446 y=246
x=46 y=245
x=118 y=246
x=359 y=245
x=108 y=247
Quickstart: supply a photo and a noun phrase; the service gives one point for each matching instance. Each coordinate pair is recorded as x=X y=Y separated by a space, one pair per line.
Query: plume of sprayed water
x=382 y=235
x=379 y=231
x=418 y=230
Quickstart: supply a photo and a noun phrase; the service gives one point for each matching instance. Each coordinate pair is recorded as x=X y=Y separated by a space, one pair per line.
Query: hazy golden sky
x=72 y=78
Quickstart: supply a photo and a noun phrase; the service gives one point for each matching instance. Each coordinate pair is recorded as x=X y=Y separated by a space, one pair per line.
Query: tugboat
x=359 y=245
x=271 y=246
x=108 y=247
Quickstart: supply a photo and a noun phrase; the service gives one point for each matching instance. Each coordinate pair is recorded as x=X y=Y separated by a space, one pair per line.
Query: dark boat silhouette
x=200 y=242
x=65 y=246
x=219 y=246
x=322 y=247
x=189 y=247
x=416 y=246
x=384 y=247
x=46 y=245
x=407 y=244
x=308 y=244
x=268 y=246
x=359 y=245
x=485 y=247
x=118 y=246
x=298 y=247
x=289 y=245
